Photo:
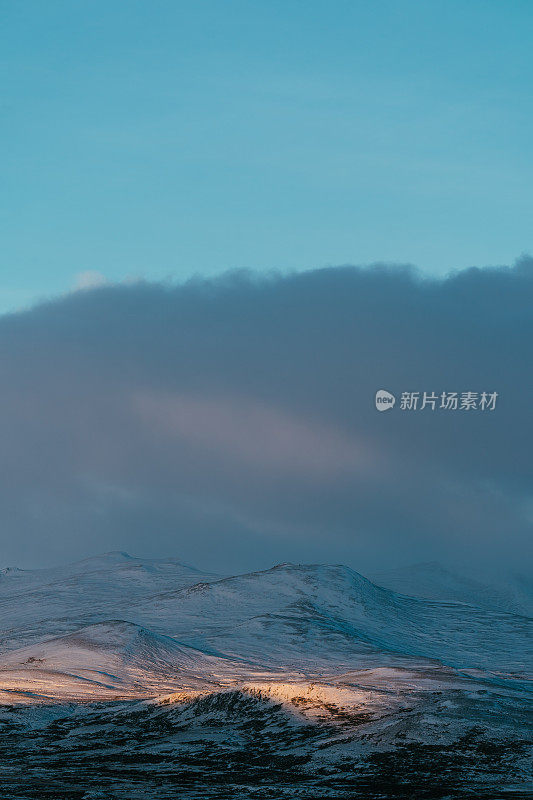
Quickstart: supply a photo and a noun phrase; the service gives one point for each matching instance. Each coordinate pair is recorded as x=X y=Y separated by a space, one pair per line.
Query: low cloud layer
x=231 y=422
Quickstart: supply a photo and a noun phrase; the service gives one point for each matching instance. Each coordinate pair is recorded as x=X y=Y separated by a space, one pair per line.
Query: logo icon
x=384 y=400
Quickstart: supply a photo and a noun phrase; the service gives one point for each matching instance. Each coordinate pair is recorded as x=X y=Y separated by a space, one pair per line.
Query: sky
x=169 y=139
x=225 y=226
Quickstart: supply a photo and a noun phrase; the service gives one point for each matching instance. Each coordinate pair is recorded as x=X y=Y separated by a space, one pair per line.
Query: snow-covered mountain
x=292 y=615
x=290 y=618
x=431 y=581
x=35 y=604
x=106 y=660
x=295 y=652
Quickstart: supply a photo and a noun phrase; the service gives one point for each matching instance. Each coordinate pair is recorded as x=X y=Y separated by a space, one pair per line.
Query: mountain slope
x=35 y=604
x=296 y=615
x=431 y=581
x=106 y=660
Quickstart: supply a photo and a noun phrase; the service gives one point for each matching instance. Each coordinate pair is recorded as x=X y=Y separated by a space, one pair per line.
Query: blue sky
x=166 y=139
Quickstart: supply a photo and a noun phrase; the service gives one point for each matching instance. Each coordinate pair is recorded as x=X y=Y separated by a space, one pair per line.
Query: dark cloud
x=232 y=421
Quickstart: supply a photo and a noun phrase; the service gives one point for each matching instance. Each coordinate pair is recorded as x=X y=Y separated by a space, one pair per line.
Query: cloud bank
x=231 y=422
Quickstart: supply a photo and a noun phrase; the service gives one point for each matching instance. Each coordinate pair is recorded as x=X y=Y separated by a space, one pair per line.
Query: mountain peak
x=117 y=554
